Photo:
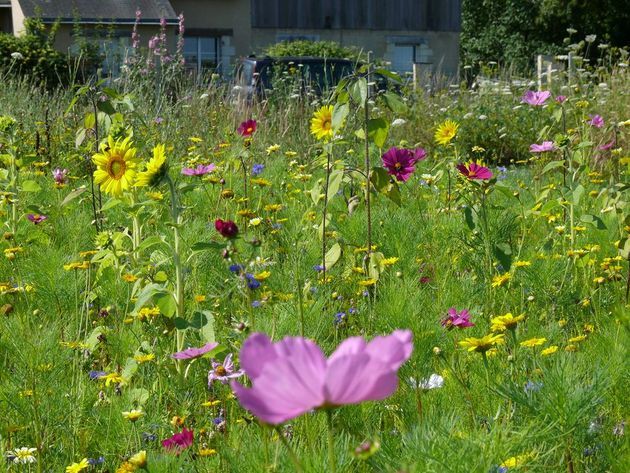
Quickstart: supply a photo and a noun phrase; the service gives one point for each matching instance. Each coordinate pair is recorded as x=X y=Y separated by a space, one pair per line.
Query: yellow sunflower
x=445 y=132
x=155 y=170
x=115 y=166
x=321 y=123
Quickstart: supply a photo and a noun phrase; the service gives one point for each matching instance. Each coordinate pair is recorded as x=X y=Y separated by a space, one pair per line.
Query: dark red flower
x=227 y=228
x=179 y=441
x=247 y=128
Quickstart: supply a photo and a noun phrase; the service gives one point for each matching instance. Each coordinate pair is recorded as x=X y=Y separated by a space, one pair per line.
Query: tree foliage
x=327 y=49
x=512 y=32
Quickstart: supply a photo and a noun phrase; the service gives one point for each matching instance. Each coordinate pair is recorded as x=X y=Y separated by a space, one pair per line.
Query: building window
x=405 y=51
x=202 y=53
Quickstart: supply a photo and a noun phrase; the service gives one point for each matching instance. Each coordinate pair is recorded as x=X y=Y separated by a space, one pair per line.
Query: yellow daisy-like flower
x=533 y=342
x=132 y=415
x=501 y=279
x=126 y=467
x=139 y=460
x=446 y=132
x=506 y=322
x=549 y=351
x=206 y=452
x=144 y=357
x=321 y=123
x=579 y=338
x=78 y=467
x=115 y=166
x=483 y=344
x=155 y=170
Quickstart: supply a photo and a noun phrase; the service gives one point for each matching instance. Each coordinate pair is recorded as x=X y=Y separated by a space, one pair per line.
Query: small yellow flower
x=445 y=132
x=144 y=357
x=579 y=338
x=272 y=149
x=139 y=460
x=549 y=351
x=501 y=279
x=148 y=313
x=506 y=322
x=562 y=323
x=518 y=460
x=133 y=415
x=78 y=467
x=483 y=344
x=321 y=123
x=156 y=195
x=522 y=264
x=211 y=403
x=533 y=342
x=273 y=207
x=254 y=222
x=126 y=467
x=206 y=452
x=130 y=277
x=367 y=282
x=112 y=378
x=389 y=261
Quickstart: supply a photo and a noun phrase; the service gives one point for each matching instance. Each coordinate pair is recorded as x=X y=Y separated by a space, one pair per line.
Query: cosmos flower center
x=398 y=165
x=116 y=167
x=220 y=370
x=249 y=129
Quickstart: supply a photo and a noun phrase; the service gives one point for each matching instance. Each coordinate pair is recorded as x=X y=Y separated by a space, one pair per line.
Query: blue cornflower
x=236 y=268
x=257 y=169
x=252 y=282
x=318 y=267
x=96 y=374
x=256 y=304
x=532 y=386
x=96 y=461
x=339 y=317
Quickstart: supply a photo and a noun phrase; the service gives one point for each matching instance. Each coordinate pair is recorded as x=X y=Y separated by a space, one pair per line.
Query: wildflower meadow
x=372 y=279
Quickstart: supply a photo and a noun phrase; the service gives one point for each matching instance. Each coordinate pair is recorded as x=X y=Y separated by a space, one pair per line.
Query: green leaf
x=552 y=165
x=503 y=252
x=332 y=256
x=106 y=107
x=377 y=131
x=138 y=396
x=73 y=195
x=316 y=192
x=30 y=186
x=160 y=277
x=577 y=194
x=470 y=217
x=383 y=183
x=207 y=331
x=166 y=302
x=131 y=366
x=339 y=114
x=79 y=137
x=210 y=245
x=375 y=265
x=149 y=242
x=359 y=91
x=111 y=203
x=389 y=74
x=334 y=183
x=593 y=220
x=394 y=103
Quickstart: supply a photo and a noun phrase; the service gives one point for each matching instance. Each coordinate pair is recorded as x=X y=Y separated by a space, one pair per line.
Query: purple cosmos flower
x=247 y=128
x=292 y=377
x=535 y=98
x=596 y=120
x=543 y=147
x=191 y=353
x=606 y=146
x=36 y=218
x=400 y=162
x=257 y=169
x=456 y=319
x=223 y=371
x=179 y=441
x=561 y=98
x=59 y=175
x=200 y=170
x=474 y=171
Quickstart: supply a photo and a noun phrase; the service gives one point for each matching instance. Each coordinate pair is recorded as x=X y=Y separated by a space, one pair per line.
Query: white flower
x=204 y=96
x=17 y=56
x=435 y=381
x=399 y=122
x=590 y=38
x=23 y=455
x=483 y=117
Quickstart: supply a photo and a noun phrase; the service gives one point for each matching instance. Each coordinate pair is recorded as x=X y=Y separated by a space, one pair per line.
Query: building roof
x=99 y=11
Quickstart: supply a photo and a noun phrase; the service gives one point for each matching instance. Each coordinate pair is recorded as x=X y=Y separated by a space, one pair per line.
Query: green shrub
x=328 y=49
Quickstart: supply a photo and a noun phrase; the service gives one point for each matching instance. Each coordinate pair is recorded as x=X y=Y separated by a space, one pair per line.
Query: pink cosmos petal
x=393 y=350
x=190 y=353
x=543 y=147
x=357 y=378
x=257 y=351
x=349 y=346
x=535 y=98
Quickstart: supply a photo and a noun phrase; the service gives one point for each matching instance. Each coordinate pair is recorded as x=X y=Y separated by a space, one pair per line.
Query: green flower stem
x=485 y=364
x=328 y=160
x=332 y=462
x=177 y=262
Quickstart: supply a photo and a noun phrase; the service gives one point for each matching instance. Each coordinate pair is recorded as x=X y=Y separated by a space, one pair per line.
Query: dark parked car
x=254 y=76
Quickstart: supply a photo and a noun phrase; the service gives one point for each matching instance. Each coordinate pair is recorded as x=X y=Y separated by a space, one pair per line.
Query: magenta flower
x=227 y=228
x=596 y=120
x=535 y=98
x=223 y=371
x=59 y=175
x=561 y=98
x=474 y=171
x=400 y=162
x=200 y=170
x=247 y=128
x=36 y=218
x=456 y=319
x=179 y=441
x=292 y=377
x=543 y=147
x=607 y=146
x=191 y=353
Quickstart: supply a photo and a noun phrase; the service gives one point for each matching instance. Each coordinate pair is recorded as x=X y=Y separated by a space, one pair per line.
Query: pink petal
x=257 y=351
x=393 y=350
x=358 y=377
x=350 y=346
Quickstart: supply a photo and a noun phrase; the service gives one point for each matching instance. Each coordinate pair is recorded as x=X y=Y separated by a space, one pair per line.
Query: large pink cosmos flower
x=596 y=120
x=543 y=147
x=400 y=162
x=535 y=98
x=474 y=171
x=200 y=170
x=190 y=353
x=293 y=376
